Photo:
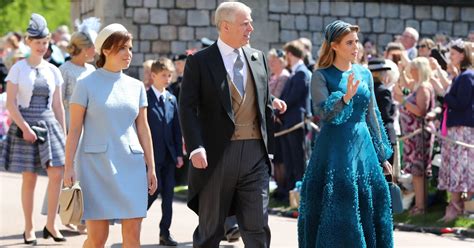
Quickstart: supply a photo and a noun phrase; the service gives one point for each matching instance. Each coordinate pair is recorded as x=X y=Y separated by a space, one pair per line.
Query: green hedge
x=15 y=14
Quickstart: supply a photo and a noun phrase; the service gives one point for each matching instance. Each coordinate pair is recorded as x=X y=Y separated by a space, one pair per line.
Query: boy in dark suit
x=163 y=120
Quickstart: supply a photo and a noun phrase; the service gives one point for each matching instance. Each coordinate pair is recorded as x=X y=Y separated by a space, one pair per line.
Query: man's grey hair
x=413 y=32
x=227 y=10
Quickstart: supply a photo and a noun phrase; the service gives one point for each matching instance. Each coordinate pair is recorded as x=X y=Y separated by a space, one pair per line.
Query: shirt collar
x=158 y=93
x=295 y=66
x=225 y=49
x=42 y=64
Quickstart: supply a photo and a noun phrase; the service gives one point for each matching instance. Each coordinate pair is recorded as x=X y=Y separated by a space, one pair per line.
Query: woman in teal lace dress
x=345 y=201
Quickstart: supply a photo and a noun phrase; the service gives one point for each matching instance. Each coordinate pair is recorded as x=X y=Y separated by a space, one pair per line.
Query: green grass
x=431 y=217
x=181 y=190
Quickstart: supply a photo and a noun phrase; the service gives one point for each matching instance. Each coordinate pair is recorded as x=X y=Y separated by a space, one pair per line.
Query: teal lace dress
x=345 y=201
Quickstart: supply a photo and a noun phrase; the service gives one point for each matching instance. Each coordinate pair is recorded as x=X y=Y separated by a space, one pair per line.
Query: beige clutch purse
x=71 y=205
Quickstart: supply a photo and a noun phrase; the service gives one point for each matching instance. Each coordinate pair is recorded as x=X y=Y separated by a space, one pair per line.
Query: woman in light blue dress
x=109 y=108
x=345 y=201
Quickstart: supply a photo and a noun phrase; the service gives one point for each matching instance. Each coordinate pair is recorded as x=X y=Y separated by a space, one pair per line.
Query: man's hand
x=199 y=160
x=180 y=162
x=279 y=105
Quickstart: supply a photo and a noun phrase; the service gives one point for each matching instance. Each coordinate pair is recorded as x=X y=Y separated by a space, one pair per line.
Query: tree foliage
x=15 y=14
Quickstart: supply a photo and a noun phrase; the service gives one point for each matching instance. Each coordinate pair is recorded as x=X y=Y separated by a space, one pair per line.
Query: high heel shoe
x=29 y=242
x=46 y=235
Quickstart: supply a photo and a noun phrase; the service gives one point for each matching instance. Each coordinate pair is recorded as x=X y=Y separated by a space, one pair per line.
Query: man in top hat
x=383 y=96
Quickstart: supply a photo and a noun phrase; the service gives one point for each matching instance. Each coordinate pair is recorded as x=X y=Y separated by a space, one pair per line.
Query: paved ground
x=184 y=222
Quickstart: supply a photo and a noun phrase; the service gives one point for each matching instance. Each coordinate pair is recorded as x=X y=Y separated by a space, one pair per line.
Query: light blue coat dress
x=109 y=160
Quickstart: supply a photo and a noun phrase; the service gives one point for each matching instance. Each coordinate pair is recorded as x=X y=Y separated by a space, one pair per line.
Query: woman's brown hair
x=326 y=54
x=113 y=43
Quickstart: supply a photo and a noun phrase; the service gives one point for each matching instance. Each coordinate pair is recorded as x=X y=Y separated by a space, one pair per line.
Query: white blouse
x=23 y=75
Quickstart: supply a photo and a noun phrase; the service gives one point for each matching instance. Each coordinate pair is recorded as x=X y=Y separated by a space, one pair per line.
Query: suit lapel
x=257 y=72
x=219 y=74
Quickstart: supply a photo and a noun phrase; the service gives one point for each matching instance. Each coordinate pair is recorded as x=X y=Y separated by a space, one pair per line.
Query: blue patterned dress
x=345 y=201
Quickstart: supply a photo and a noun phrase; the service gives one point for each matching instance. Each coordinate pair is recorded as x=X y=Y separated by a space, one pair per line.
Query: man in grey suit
x=226 y=119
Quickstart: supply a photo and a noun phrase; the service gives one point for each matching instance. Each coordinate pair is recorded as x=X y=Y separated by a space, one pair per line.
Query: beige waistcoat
x=245 y=111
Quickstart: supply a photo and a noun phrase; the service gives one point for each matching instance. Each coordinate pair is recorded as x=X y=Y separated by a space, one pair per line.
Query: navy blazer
x=165 y=130
x=296 y=96
x=460 y=100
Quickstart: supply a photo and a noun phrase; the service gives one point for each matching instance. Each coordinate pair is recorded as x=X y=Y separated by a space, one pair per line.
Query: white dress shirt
x=293 y=68
x=229 y=57
x=158 y=93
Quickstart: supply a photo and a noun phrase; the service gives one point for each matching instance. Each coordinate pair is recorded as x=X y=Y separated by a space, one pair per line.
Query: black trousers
x=239 y=181
x=165 y=174
x=292 y=147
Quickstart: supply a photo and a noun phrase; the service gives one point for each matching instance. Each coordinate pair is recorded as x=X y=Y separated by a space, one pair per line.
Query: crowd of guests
x=412 y=78
x=431 y=88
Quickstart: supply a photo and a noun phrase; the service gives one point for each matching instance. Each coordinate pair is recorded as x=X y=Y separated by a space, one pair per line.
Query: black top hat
x=178 y=57
x=378 y=65
x=206 y=42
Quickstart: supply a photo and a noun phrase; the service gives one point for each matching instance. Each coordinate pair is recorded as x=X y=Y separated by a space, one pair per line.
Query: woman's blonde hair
x=277 y=53
x=326 y=54
x=79 y=41
x=468 y=51
x=422 y=65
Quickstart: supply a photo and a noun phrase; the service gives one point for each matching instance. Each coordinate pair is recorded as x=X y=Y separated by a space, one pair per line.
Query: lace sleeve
x=380 y=140
x=328 y=106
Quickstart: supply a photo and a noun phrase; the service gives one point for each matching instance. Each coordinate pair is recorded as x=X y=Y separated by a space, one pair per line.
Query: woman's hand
x=397 y=94
x=434 y=64
x=387 y=168
x=69 y=176
x=452 y=70
x=29 y=135
x=152 y=182
x=351 y=88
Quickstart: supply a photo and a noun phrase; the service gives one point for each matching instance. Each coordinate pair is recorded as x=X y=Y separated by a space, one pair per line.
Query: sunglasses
x=421 y=46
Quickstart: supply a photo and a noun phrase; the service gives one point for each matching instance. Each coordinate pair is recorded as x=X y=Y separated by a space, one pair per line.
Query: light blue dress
x=345 y=201
x=109 y=160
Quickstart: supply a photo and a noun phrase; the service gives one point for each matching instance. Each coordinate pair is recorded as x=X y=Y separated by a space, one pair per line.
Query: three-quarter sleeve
x=143 y=100
x=80 y=95
x=382 y=146
x=329 y=106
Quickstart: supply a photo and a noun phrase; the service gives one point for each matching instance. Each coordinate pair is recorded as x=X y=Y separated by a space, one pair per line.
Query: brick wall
x=165 y=27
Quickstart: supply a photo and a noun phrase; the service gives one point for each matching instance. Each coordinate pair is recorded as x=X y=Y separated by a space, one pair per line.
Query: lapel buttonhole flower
x=254 y=56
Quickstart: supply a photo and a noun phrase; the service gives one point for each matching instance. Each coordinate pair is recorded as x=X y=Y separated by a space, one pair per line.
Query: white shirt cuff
x=200 y=149
x=270 y=156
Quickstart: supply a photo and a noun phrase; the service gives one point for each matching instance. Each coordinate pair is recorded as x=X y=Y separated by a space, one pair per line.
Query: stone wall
x=166 y=27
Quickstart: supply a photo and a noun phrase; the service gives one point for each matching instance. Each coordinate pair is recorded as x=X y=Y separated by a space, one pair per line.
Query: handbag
x=395 y=194
x=41 y=133
x=71 y=204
